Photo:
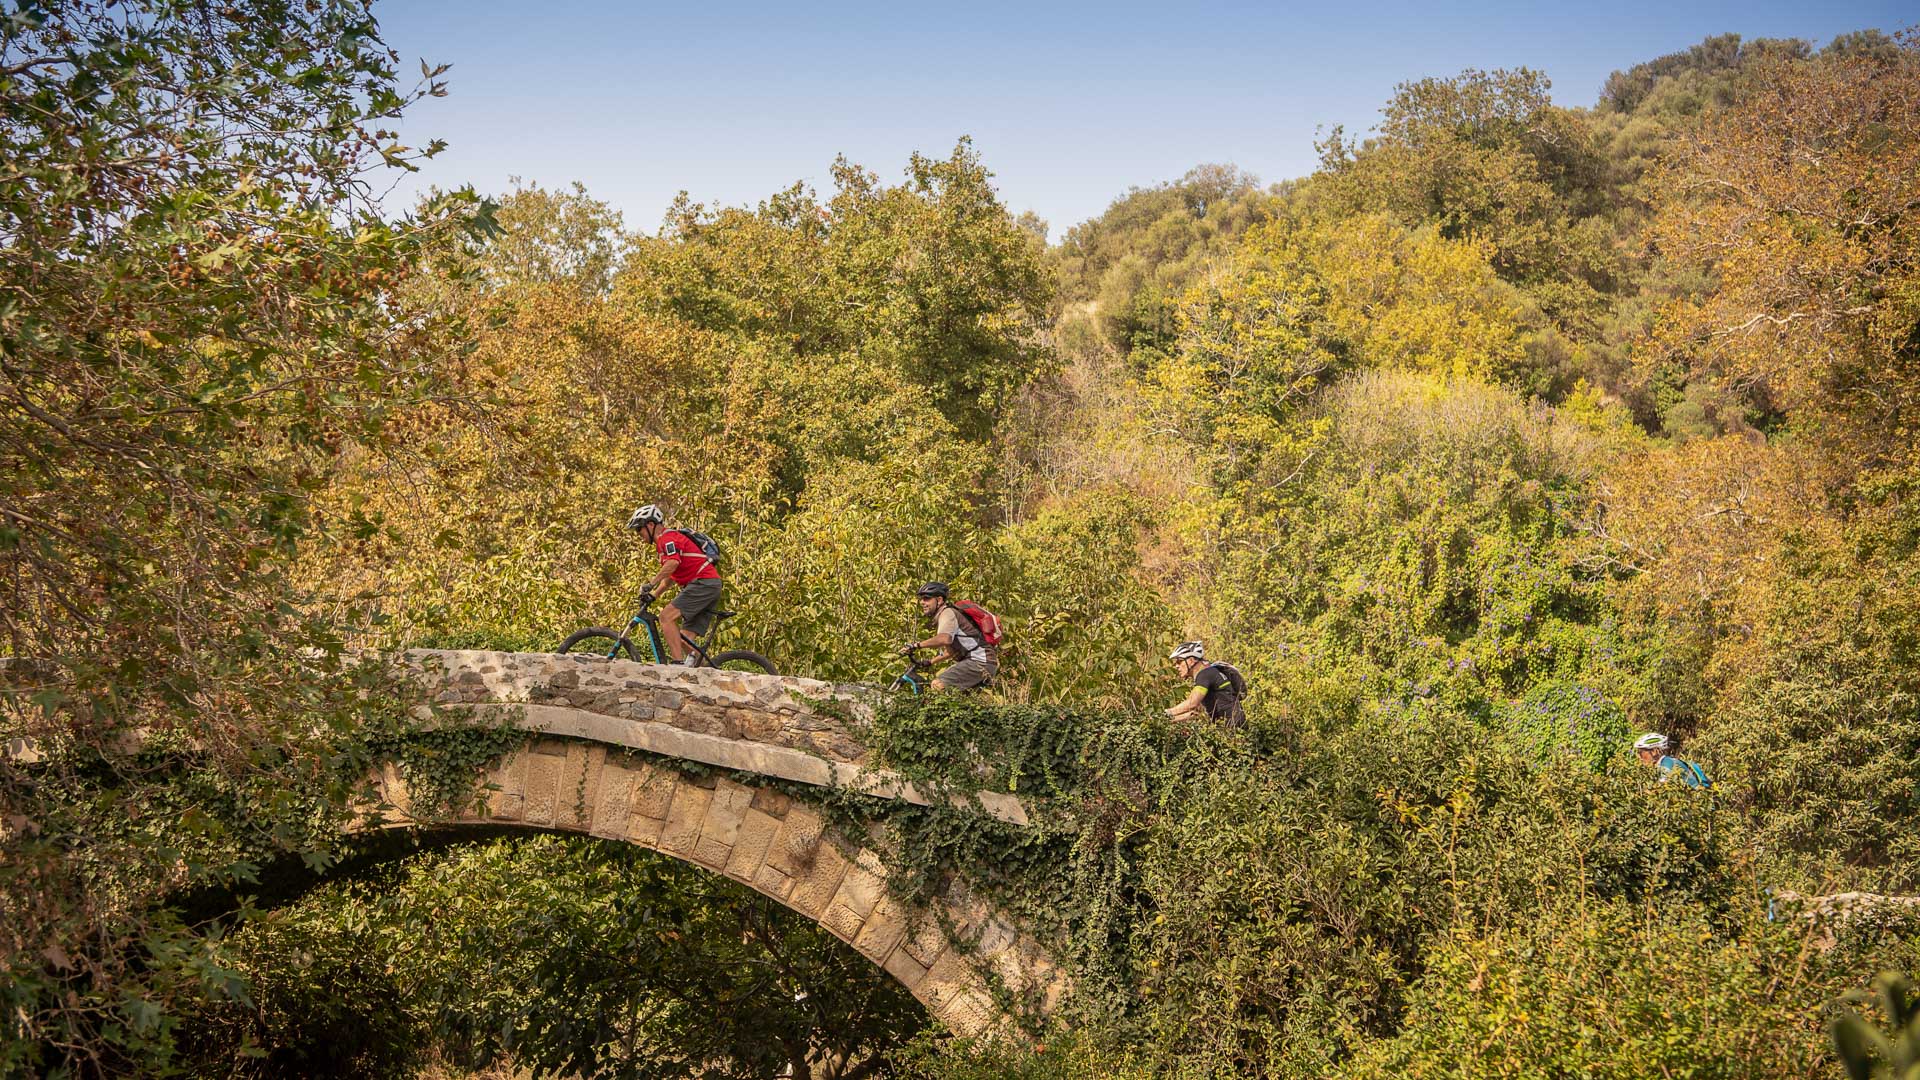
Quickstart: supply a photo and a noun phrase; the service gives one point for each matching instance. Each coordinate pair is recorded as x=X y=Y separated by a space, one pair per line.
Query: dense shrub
x=1564 y=716
x=1232 y=911
x=1617 y=990
x=1819 y=730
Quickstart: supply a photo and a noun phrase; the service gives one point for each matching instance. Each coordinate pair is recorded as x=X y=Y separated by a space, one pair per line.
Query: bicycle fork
x=625 y=638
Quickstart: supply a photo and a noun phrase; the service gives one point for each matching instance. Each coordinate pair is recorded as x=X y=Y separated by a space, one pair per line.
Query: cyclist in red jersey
x=684 y=564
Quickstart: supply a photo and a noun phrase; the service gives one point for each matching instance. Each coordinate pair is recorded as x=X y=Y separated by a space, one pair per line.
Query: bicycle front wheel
x=601 y=641
x=744 y=660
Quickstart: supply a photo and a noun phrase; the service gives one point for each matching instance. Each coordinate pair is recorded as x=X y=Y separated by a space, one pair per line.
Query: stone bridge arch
x=577 y=773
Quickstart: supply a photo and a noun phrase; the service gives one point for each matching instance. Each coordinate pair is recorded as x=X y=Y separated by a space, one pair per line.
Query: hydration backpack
x=706 y=544
x=1685 y=771
x=1699 y=775
x=1236 y=715
x=983 y=620
x=1233 y=675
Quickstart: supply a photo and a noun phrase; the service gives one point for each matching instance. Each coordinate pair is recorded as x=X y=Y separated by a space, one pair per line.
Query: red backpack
x=983 y=620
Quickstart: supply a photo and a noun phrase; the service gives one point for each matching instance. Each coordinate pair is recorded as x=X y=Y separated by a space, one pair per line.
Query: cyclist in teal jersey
x=1651 y=749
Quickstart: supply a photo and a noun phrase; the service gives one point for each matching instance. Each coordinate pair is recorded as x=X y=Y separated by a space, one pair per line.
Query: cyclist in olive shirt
x=972 y=660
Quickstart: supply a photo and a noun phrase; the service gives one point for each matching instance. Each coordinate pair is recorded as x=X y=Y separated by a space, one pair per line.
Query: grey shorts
x=696 y=602
x=965 y=674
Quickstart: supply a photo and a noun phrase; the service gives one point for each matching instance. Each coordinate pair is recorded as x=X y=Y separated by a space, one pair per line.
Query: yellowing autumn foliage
x=1515 y=430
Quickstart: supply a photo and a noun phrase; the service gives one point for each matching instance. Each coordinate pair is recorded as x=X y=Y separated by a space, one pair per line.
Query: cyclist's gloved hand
x=908 y=649
x=646 y=597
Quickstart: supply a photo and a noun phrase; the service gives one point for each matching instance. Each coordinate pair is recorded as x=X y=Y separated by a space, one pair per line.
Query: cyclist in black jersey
x=1218 y=688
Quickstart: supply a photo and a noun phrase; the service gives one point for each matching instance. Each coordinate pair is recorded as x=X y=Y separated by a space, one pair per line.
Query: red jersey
x=694 y=564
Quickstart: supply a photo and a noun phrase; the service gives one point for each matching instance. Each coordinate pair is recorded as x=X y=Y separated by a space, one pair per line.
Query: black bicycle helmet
x=932 y=588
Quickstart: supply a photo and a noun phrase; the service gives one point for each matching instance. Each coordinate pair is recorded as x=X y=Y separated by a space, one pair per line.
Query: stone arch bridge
x=585 y=715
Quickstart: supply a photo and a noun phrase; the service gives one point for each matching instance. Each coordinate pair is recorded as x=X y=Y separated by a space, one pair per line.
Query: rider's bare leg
x=670 y=632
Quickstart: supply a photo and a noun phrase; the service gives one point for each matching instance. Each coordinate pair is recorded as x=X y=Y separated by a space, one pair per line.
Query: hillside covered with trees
x=1513 y=431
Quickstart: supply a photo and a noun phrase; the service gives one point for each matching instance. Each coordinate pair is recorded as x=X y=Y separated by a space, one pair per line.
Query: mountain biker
x=1218 y=688
x=1651 y=749
x=683 y=562
x=971 y=661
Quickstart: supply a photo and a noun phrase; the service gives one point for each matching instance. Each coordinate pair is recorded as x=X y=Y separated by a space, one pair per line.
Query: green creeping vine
x=442 y=765
x=1089 y=780
x=1245 y=894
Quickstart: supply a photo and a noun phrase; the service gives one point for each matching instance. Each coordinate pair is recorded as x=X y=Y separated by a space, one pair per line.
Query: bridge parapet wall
x=775 y=710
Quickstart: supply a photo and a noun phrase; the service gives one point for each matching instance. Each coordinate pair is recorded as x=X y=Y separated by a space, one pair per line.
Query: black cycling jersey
x=1225 y=687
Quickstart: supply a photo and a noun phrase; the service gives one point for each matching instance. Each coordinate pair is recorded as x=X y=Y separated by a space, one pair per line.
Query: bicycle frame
x=918 y=676
x=655 y=646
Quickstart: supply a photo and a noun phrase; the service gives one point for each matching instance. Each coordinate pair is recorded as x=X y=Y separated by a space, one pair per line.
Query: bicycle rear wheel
x=599 y=640
x=744 y=660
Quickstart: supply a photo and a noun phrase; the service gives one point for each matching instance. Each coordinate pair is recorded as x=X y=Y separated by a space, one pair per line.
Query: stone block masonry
x=575 y=773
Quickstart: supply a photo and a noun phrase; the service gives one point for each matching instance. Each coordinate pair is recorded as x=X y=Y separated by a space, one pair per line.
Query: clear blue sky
x=1069 y=104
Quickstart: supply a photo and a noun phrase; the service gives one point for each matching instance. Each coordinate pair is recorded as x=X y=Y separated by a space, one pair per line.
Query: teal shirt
x=1690 y=774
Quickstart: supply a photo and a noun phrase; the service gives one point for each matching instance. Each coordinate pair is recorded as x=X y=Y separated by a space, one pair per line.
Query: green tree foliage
x=1300 y=911
x=1126 y=270
x=1087 y=627
x=1864 y=1049
x=1799 y=204
x=1683 y=83
x=555 y=237
x=1819 y=723
x=564 y=959
x=930 y=278
x=1232 y=912
x=1299 y=306
x=1427 y=535
x=198 y=303
x=1802 y=554
x=1563 y=196
x=1621 y=996
x=1488 y=155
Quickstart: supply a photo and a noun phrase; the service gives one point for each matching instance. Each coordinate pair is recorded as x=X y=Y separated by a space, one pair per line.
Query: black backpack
x=1233 y=675
x=707 y=544
x=1239 y=684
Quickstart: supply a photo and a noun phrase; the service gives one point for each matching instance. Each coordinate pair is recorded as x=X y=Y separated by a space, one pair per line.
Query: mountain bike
x=917 y=678
x=612 y=645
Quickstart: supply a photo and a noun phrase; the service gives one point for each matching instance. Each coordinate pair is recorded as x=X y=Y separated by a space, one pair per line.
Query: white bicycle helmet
x=1188 y=650
x=646 y=515
x=1652 y=740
